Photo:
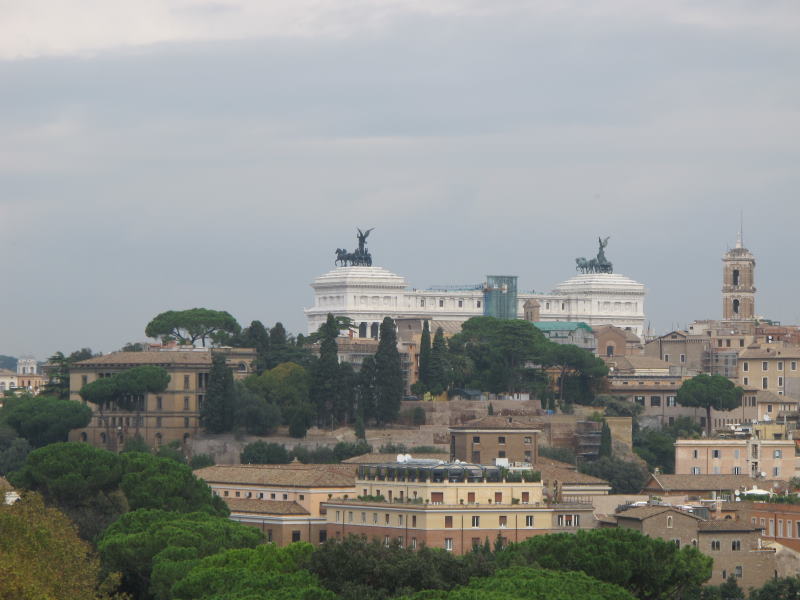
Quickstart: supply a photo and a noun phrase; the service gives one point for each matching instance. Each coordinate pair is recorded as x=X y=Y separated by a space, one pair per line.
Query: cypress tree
x=491 y=409
x=278 y=345
x=258 y=338
x=437 y=378
x=217 y=412
x=325 y=373
x=605 y=441
x=365 y=389
x=425 y=356
x=388 y=375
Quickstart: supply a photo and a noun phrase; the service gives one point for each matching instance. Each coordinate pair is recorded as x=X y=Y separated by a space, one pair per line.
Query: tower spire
x=740 y=235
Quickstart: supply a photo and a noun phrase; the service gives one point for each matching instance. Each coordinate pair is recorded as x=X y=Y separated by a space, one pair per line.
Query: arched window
x=373 y=331
x=84 y=437
x=242 y=367
x=736 y=277
x=610 y=350
x=669 y=522
x=362 y=330
x=103 y=437
x=736 y=306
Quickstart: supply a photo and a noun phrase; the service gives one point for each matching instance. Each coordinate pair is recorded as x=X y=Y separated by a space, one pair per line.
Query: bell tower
x=738 y=279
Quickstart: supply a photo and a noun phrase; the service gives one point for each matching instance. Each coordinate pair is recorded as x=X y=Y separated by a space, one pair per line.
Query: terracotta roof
x=635 y=363
x=555 y=470
x=495 y=422
x=265 y=507
x=771 y=351
x=725 y=525
x=645 y=512
x=698 y=483
x=169 y=357
x=388 y=457
x=767 y=397
x=282 y=475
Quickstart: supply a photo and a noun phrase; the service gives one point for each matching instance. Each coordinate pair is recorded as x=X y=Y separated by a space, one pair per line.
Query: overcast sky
x=167 y=154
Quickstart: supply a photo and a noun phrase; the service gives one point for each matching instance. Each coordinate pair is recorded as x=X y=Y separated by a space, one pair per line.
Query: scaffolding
x=500 y=296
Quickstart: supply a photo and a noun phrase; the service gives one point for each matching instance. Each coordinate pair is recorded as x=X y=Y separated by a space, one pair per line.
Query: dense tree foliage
x=189 y=326
x=217 y=412
x=265 y=572
x=254 y=414
x=438 y=369
x=154 y=548
x=58 y=367
x=325 y=374
x=264 y=453
x=13 y=450
x=625 y=477
x=357 y=569
x=43 y=420
x=94 y=487
x=525 y=583
x=783 y=588
x=710 y=391
x=656 y=446
x=125 y=387
x=649 y=568
x=41 y=555
x=388 y=375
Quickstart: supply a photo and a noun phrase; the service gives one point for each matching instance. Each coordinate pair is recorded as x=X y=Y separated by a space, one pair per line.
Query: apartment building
x=283 y=501
x=484 y=440
x=754 y=457
x=735 y=546
x=778 y=522
x=770 y=367
x=451 y=506
x=171 y=415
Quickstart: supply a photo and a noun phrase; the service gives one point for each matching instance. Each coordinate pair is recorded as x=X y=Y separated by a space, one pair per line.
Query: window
x=694 y=453
x=448 y=544
x=471 y=497
x=639 y=400
x=84 y=379
x=655 y=400
x=780 y=527
x=158 y=421
x=386 y=541
x=448 y=522
x=683 y=358
x=777 y=454
x=737 y=470
x=666 y=357
x=441 y=303
x=677 y=542
x=745 y=366
x=736 y=545
x=780 y=381
x=764 y=366
x=498 y=497
x=669 y=522
x=528 y=456
x=501 y=454
x=501 y=439
x=413 y=520
x=503 y=521
x=526 y=497
x=338 y=514
x=479 y=303
x=375 y=518
x=437 y=497
x=159 y=403
x=386 y=519
x=715 y=453
x=460 y=303
x=187 y=385
x=715 y=544
x=780 y=365
x=476 y=521
x=296 y=535
x=746 y=381
x=413 y=543
x=286 y=497
x=399 y=520
x=737 y=571
x=527 y=439
x=323 y=535
x=769 y=408
x=695 y=470
x=764 y=383
x=186 y=421
x=186 y=403
x=794 y=365
x=476 y=439
x=671 y=401
x=776 y=471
